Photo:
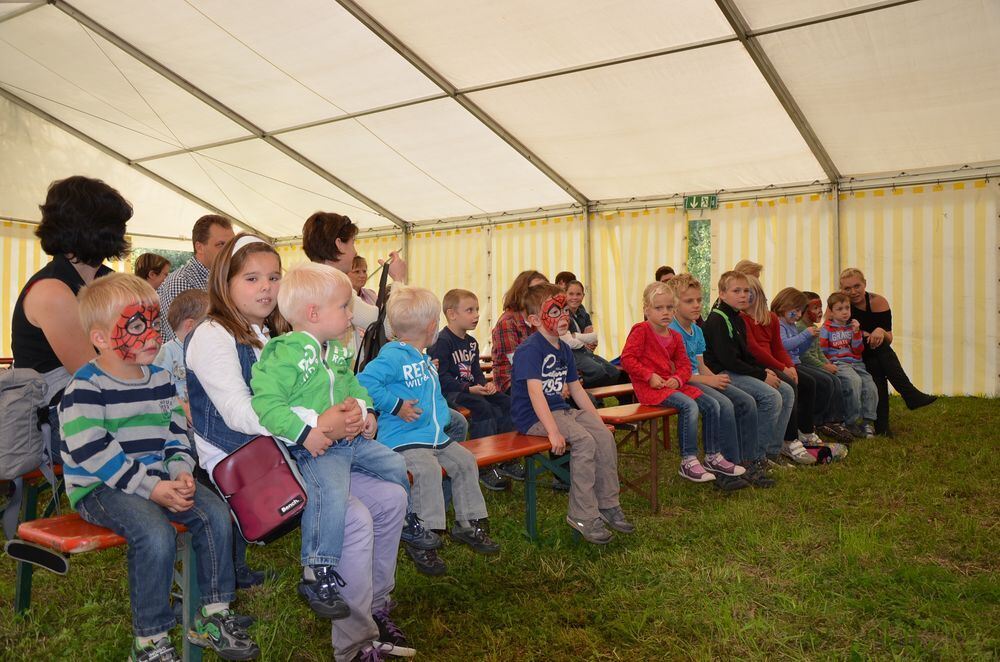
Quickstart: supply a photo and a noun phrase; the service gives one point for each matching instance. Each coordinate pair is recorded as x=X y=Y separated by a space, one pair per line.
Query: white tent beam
x=22 y=11
x=218 y=106
x=826 y=18
x=123 y=159
x=770 y=74
x=423 y=67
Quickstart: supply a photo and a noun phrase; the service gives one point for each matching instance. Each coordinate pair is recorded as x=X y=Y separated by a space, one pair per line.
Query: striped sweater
x=840 y=342
x=127 y=434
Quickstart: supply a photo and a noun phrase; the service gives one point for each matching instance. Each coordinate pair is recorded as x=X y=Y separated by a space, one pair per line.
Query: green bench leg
x=192 y=596
x=531 y=498
x=25 y=571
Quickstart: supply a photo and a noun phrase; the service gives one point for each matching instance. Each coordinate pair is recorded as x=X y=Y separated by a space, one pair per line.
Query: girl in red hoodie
x=656 y=360
x=764 y=343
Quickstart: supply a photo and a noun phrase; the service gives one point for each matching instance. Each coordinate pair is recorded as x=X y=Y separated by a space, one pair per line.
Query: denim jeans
x=774 y=409
x=152 y=547
x=328 y=485
x=737 y=423
x=687 y=422
x=860 y=395
x=490 y=414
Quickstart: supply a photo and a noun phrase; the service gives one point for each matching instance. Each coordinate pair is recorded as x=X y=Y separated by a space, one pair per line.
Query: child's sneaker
x=427 y=561
x=491 y=479
x=725 y=483
x=222 y=633
x=389 y=633
x=373 y=652
x=512 y=469
x=794 y=451
x=160 y=650
x=809 y=439
x=869 y=430
x=593 y=531
x=323 y=593
x=415 y=534
x=718 y=464
x=693 y=471
x=476 y=536
x=615 y=518
x=757 y=475
x=247 y=578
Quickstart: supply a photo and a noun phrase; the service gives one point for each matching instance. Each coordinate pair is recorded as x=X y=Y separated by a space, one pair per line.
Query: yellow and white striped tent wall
x=370 y=248
x=441 y=260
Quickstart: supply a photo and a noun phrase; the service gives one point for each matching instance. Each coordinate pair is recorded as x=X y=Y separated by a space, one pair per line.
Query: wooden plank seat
x=620 y=391
x=645 y=425
x=71 y=534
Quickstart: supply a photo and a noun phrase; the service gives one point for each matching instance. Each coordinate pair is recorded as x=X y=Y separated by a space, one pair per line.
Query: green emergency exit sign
x=701 y=202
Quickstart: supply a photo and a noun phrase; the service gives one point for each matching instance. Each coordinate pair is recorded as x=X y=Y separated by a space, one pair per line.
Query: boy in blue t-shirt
x=543 y=367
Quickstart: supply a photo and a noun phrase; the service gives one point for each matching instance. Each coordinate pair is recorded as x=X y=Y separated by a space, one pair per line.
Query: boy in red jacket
x=656 y=360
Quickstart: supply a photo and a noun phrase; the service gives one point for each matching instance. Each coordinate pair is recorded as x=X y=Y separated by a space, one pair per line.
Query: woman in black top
x=873 y=313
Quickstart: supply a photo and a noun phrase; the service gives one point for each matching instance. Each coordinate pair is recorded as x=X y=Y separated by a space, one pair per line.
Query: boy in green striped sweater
x=127 y=463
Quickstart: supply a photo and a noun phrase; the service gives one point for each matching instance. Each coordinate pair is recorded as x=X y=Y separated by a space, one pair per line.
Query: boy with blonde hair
x=543 y=366
x=129 y=468
x=301 y=379
x=405 y=388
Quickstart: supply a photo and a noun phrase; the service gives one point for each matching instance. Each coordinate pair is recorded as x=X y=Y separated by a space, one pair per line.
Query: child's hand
x=655 y=381
x=436 y=363
x=341 y=420
x=830 y=368
x=673 y=383
x=476 y=389
x=371 y=426
x=558 y=443
x=354 y=425
x=186 y=488
x=317 y=442
x=167 y=493
x=855 y=324
x=187 y=410
x=410 y=412
x=813 y=331
x=491 y=388
x=771 y=379
x=792 y=374
x=592 y=346
x=718 y=381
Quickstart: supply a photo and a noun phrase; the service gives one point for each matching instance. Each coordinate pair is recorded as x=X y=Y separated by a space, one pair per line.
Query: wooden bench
x=535 y=450
x=49 y=541
x=619 y=391
x=646 y=425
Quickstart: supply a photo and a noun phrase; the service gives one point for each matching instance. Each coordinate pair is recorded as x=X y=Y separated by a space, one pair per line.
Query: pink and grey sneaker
x=718 y=464
x=692 y=470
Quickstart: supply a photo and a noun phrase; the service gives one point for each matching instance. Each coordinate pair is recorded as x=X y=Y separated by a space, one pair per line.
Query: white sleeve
x=365 y=314
x=211 y=355
x=587 y=338
x=574 y=342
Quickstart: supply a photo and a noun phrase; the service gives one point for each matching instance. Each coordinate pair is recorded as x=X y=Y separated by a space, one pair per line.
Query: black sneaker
x=160 y=650
x=222 y=633
x=415 y=534
x=390 y=634
x=560 y=485
x=476 y=536
x=323 y=594
x=512 y=469
x=756 y=474
x=247 y=578
x=427 y=561
x=726 y=483
x=491 y=479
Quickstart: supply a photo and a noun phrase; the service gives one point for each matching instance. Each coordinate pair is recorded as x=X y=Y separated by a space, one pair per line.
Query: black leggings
x=805 y=403
x=884 y=367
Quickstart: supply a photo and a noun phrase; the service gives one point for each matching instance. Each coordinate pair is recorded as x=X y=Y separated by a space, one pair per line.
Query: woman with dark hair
x=152 y=268
x=83 y=224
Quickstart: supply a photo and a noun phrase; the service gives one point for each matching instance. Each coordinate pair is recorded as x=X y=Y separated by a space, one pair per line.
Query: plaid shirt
x=192 y=276
x=509 y=332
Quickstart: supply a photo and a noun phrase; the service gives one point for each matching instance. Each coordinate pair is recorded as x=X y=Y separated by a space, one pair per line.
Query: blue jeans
x=152 y=547
x=687 y=422
x=328 y=486
x=490 y=414
x=774 y=409
x=737 y=423
x=858 y=389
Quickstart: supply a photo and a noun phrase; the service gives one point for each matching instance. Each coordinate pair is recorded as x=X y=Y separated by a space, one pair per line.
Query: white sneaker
x=796 y=452
x=810 y=438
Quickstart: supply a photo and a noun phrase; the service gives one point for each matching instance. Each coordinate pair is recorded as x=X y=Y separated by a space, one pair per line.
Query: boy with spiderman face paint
x=135 y=331
x=543 y=366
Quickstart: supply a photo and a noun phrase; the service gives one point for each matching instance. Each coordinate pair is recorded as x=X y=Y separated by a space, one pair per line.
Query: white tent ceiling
x=402 y=112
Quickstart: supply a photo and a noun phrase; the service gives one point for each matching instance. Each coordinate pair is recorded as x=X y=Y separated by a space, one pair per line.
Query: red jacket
x=643 y=355
x=765 y=343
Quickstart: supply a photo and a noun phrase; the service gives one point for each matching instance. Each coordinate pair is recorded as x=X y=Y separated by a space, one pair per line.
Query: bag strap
x=729 y=324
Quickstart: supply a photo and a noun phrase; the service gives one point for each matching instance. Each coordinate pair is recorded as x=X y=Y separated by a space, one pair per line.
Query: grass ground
x=893 y=553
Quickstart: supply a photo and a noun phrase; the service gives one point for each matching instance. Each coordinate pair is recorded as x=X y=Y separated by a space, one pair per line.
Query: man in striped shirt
x=128 y=467
x=840 y=341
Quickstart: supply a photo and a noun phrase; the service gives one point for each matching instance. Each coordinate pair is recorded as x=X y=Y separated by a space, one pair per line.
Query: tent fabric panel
x=769 y=13
x=931 y=250
x=910 y=87
x=489 y=41
x=37 y=153
x=277 y=65
x=441 y=260
x=693 y=121
x=432 y=160
x=58 y=65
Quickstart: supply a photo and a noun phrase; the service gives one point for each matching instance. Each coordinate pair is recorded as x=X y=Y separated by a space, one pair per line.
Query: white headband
x=245 y=240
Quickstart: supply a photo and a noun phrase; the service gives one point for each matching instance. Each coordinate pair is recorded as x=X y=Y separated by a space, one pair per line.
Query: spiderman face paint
x=555 y=315
x=133 y=332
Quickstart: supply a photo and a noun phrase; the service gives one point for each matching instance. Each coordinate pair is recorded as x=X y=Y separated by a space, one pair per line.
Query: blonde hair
x=411 y=310
x=727 y=278
x=453 y=299
x=102 y=302
x=789 y=299
x=681 y=283
x=758 y=310
x=655 y=290
x=749 y=267
x=309 y=283
x=852 y=271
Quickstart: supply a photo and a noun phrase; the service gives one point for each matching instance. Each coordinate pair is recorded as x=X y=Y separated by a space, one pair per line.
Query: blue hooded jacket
x=399 y=373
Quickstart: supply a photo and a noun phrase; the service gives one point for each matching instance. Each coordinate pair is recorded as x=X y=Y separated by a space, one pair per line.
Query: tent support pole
x=837 y=257
x=588 y=248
